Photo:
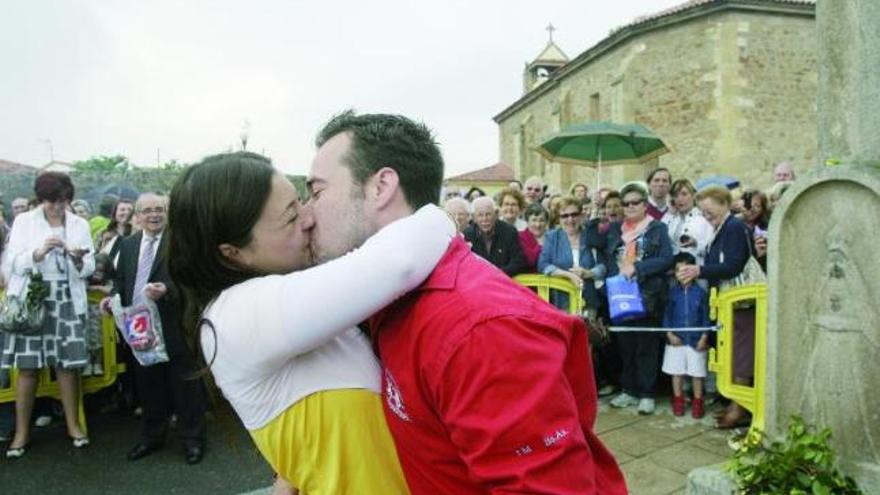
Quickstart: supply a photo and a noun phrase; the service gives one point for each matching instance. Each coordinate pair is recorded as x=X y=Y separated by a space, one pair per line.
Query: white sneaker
x=623 y=400
x=646 y=406
x=42 y=421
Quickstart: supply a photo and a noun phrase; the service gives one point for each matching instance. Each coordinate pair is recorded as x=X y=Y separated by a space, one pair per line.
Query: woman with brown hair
x=56 y=243
x=118 y=228
x=511 y=204
x=688 y=229
x=279 y=335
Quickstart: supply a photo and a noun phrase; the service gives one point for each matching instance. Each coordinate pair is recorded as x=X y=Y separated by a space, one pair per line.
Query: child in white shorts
x=685 y=354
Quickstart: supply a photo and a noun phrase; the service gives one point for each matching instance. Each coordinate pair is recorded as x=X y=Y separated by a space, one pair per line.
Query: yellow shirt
x=333 y=442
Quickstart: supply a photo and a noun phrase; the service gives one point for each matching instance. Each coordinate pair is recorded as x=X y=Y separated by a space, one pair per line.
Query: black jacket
x=506 y=252
x=169 y=306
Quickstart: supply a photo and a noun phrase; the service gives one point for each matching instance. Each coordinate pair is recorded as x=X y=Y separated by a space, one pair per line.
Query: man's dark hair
x=394 y=141
x=659 y=169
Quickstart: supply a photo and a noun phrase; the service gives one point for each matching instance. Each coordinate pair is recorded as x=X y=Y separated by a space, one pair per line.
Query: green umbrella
x=602 y=143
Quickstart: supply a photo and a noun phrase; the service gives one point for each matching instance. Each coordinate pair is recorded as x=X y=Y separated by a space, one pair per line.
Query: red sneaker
x=678 y=405
x=697 y=411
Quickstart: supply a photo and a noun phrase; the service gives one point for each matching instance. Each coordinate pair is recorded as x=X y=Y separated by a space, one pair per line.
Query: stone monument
x=823 y=338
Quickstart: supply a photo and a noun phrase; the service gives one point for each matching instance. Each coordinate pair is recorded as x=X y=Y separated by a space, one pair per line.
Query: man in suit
x=164 y=388
x=494 y=240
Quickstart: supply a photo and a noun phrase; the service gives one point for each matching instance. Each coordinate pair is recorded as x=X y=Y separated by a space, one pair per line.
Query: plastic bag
x=141 y=328
x=624 y=299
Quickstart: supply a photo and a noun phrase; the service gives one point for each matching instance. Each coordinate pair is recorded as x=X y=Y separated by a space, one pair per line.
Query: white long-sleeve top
x=693 y=224
x=280 y=338
x=29 y=232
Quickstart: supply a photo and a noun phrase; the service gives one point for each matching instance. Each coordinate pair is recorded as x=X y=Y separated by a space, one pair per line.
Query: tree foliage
x=103 y=163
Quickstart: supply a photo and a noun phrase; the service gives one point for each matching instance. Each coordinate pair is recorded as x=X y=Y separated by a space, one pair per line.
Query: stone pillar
x=849 y=80
x=823 y=337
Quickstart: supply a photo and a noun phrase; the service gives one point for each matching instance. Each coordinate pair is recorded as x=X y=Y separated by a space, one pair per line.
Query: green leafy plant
x=38 y=291
x=802 y=464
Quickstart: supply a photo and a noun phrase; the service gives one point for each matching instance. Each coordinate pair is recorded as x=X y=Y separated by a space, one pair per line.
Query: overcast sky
x=182 y=77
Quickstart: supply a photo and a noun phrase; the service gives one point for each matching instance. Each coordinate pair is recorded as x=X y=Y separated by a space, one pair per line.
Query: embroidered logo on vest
x=393 y=397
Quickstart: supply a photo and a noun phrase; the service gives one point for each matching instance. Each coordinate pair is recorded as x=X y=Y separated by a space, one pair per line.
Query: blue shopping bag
x=624 y=299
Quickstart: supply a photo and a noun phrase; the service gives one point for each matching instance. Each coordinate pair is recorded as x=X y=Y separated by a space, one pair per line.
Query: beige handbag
x=752 y=273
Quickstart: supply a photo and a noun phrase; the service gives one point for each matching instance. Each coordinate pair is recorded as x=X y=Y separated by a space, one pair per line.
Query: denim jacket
x=687 y=307
x=556 y=255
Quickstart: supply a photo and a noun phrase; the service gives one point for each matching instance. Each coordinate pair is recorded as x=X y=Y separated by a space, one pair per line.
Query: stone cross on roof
x=550 y=28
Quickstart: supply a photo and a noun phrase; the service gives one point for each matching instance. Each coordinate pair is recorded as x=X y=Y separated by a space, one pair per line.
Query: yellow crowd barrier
x=544 y=284
x=48 y=387
x=722 y=307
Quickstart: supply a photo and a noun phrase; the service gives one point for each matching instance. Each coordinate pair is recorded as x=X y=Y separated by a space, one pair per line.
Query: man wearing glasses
x=142 y=273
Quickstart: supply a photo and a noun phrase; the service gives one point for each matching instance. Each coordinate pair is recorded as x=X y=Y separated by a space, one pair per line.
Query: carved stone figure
x=843 y=334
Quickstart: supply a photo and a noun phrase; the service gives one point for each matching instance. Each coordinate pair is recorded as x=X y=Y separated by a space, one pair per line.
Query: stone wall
x=730 y=93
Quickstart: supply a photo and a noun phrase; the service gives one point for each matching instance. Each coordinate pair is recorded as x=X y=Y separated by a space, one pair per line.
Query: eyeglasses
x=633 y=203
x=569 y=215
x=150 y=211
x=533 y=189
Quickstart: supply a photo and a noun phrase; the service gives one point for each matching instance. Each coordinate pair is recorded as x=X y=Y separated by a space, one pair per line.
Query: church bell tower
x=544 y=65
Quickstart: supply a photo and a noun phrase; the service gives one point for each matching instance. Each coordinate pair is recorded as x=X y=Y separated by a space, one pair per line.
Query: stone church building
x=729 y=85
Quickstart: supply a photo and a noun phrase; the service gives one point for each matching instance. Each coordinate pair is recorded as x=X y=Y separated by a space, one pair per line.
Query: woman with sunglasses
x=568 y=253
x=638 y=248
x=57 y=243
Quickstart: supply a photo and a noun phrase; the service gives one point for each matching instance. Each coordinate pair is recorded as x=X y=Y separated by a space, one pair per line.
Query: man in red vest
x=486 y=388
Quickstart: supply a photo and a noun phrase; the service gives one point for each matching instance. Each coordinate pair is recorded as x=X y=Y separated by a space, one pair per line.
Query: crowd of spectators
x=675 y=241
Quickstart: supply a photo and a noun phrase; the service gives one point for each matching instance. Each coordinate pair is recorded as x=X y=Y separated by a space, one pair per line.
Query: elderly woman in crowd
x=56 y=243
x=531 y=239
x=82 y=209
x=688 y=229
x=510 y=204
x=726 y=259
x=639 y=248
x=279 y=337
x=568 y=253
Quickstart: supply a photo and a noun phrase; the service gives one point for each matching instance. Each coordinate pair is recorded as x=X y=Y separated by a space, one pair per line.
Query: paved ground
x=52 y=466
x=656 y=453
